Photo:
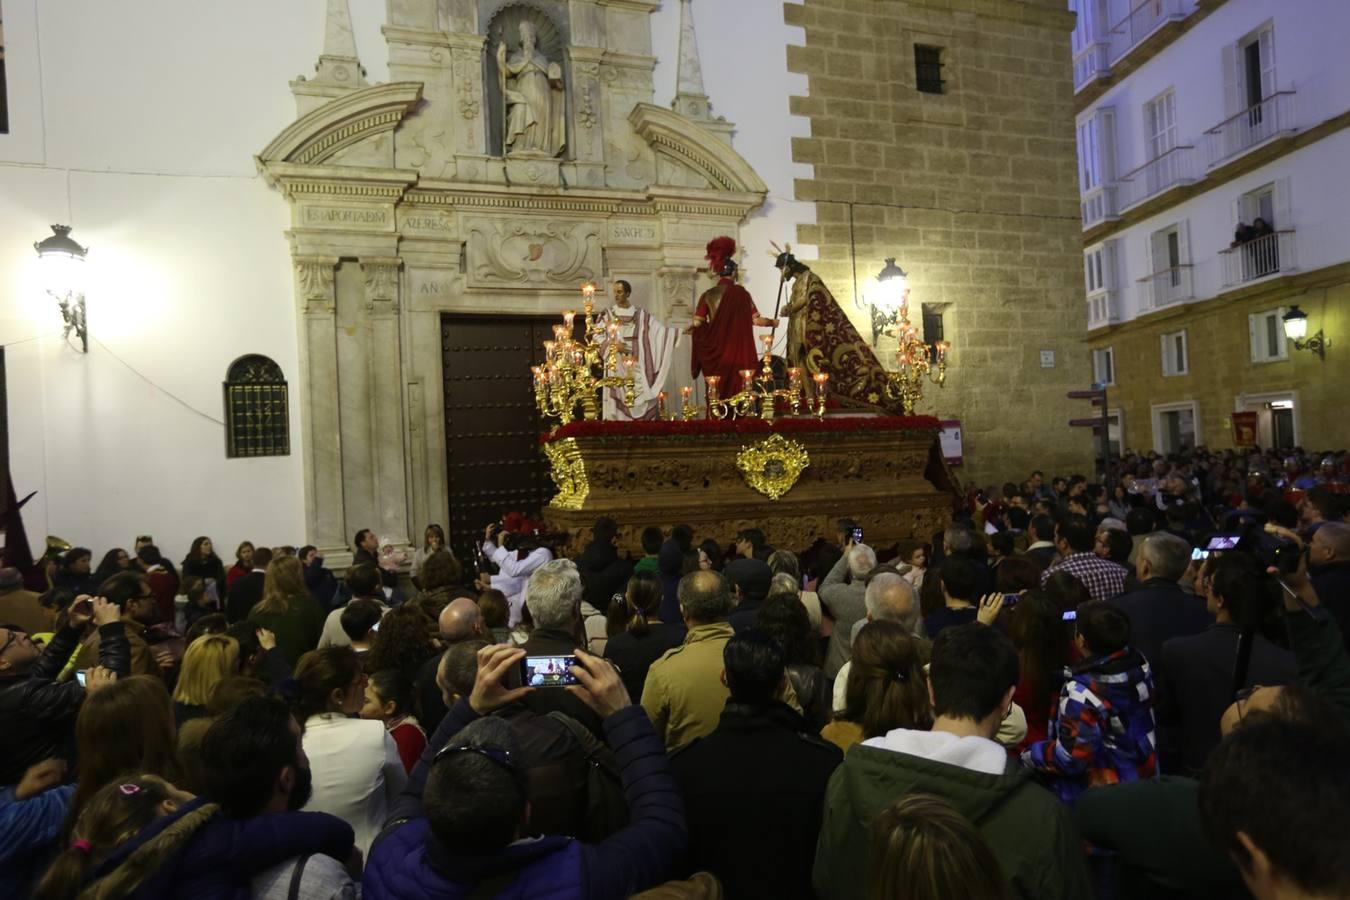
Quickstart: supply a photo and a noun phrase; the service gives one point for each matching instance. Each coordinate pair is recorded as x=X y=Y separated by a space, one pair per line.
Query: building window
x=257 y=413
x=1170 y=265
x=1175 y=427
x=1175 y=355
x=1104 y=366
x=4 y=90
x=932 y=326
x=1097 y=150
x=1267 y=336
x=928 y=69
x=1160 y=120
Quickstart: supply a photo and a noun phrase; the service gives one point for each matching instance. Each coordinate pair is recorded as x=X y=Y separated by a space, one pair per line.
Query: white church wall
x=152 y=115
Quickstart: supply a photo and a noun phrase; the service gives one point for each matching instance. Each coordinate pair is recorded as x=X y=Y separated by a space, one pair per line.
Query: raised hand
x=601 y=687
x=495 y=662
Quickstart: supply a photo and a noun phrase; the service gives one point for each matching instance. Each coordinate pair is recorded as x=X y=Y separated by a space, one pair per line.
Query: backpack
x=606 y=806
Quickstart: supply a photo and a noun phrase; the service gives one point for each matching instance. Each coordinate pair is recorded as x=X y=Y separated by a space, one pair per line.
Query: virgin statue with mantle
x=532 y=94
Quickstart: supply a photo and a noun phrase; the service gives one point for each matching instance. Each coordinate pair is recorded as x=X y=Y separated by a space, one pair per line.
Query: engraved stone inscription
x=345 y=216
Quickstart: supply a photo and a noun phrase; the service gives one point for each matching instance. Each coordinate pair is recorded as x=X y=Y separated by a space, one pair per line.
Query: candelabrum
x=568 y=376
x=918 y=363
x=758 y=396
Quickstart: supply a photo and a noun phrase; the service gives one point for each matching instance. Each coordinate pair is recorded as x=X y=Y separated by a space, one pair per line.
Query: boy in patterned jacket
x=1103 y=732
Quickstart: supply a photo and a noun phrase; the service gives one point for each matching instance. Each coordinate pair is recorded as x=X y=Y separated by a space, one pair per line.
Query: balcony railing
x=1101 y=204
x=1267 y=255
x=1091 y=62
x=1255 y=124
x=1167 y=287
x=1173 y=168
x=1103 y=309
x=1143 y=20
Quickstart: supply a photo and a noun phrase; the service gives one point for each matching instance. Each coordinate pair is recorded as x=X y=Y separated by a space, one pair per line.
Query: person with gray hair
x=684 y=694
x=786 y=568
x=842 y=593
x=553 y=597
x=888 y=598
x=1158 y=608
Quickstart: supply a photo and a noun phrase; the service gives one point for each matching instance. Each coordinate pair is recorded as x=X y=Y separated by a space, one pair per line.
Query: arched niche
x=550 y=24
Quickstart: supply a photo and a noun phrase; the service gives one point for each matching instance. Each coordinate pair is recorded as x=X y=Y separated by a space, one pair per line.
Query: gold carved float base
x=872 y=474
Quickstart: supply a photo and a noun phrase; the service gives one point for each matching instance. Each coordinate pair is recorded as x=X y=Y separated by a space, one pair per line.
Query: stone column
x=468 y=111
x=386 y=398
x=324 y=520
x=677 y=301
x=587 y=116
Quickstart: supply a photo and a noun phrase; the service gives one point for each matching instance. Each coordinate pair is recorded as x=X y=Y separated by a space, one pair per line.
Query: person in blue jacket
x=462 y=829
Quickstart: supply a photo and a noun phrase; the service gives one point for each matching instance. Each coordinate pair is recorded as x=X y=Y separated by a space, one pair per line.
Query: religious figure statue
x=724 y=322
x=532 y=96
x=651 y=342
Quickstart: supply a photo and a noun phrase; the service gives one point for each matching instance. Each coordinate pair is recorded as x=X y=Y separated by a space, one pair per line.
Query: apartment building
x=1214 y=177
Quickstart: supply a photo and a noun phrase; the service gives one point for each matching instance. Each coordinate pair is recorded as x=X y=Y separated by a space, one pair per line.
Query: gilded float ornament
x=773 y=465
x=568 y=470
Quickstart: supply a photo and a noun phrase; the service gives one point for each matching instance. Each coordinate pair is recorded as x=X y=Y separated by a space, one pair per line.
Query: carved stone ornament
x=316 y=279
x=533 y=252
x=773 y=465
x=381 y=276
x=568 y=470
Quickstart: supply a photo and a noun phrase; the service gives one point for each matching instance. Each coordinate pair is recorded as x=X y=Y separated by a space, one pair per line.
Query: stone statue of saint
x=532 y=92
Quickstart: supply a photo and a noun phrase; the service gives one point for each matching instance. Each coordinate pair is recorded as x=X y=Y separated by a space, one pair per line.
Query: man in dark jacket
x=971 y=681
x=749 y=585
x=456 y=830
x=1329 y=568
x=553 y=597
x=366 y=548
x=603 y=572
x=243 y=836
x=1159 y=609
x=37 y=715
x=1197 y=671
x=754 y=823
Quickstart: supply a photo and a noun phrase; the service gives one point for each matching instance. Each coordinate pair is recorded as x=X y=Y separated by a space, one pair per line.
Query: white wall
x=136 y=123
x=1310 y=60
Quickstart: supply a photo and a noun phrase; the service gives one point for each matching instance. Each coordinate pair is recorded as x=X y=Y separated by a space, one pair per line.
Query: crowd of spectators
x=1134 y=687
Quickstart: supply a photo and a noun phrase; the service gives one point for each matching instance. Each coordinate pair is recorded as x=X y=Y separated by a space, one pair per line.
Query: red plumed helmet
x=719 y=251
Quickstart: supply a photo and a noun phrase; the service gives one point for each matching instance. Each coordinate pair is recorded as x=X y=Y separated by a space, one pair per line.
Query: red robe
x=725 y=343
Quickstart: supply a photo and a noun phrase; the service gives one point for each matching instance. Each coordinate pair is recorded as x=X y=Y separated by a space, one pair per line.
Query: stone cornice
x=350 y=183
x=647 y=6
x=628 y=60
x=316 y=136
x=692 y=145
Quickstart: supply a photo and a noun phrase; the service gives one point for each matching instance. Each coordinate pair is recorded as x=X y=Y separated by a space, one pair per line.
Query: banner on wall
x=950 y=439
x=1245 y=429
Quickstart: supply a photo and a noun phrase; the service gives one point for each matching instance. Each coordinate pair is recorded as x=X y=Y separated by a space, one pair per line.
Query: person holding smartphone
x=37 y=713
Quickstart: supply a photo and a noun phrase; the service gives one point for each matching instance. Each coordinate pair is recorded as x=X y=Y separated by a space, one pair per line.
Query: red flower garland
x=704 y=427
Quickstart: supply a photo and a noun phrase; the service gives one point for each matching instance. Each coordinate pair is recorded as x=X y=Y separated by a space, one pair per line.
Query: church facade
x=396 y=234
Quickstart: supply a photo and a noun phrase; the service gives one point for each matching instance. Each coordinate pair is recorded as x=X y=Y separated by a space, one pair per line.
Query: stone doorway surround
x=398 y=215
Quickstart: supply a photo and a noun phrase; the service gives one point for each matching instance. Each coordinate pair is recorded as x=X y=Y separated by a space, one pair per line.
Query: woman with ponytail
x=887 y=687
x=645 y=638
x=114 y=814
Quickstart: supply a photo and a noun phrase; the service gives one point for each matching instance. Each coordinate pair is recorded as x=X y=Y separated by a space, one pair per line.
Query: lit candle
x=613 y=329
x=661 y=405
x=942 y=347
x=588 y=289
x=629 y=364
x=767 y=339
x=685 y=392
x=558 y=332
x=712 y=382
x=568 y=316
x=822 y=380
x=794 y=374
x=548 y=349
x=748 y=379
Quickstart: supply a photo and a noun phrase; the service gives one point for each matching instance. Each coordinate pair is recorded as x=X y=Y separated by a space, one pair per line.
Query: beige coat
x=684 y=694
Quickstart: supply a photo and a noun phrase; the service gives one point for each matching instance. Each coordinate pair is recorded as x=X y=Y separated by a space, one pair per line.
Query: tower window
x=928 y=69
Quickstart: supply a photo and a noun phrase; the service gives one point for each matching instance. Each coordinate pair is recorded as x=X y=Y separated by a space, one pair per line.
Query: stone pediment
x=320 y=135
x=689 y=145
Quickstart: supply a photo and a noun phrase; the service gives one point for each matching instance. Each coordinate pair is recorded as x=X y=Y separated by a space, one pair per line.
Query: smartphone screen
x=1010 y=600
x=80 y=677
x=857 y=535
x=1070 y=616
x=1198 y=554
x=375 y=627
x=548 y=671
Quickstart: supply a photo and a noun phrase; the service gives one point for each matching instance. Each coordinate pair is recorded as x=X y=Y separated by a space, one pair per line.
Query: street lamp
x=1296 y=330
x=62 y=266
x=886 y=298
